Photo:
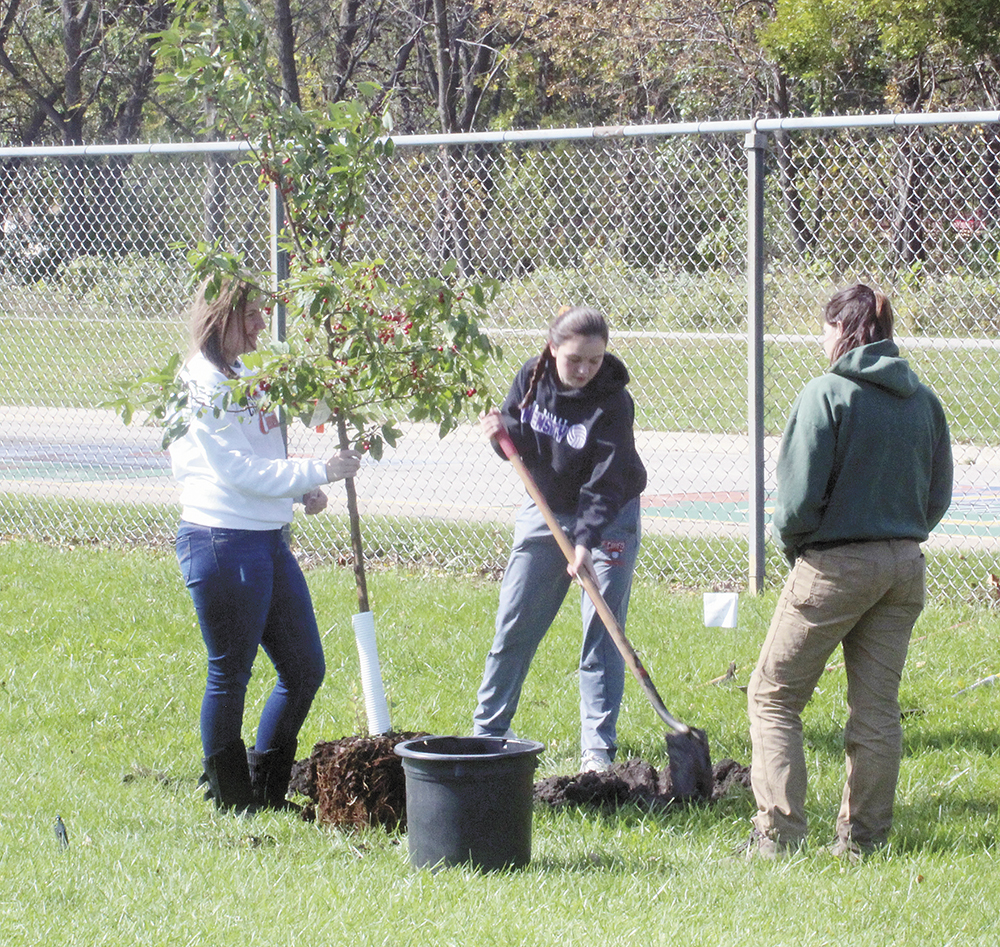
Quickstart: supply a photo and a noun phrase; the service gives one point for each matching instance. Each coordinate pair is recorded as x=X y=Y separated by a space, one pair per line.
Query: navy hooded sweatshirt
x=578 y=445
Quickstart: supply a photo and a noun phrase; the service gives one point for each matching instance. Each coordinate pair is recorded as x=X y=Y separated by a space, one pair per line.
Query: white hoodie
x=232 y=468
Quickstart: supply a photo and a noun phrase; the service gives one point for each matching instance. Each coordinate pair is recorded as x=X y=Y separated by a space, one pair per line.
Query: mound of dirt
x=634 y=782
x=355 y=781
x=358 y=781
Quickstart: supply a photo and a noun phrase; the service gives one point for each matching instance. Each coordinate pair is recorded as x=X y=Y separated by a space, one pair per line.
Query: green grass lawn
x=100 y=684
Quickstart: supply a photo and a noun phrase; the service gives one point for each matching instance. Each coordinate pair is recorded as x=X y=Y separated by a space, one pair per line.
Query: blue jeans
x=533 y=589
x=249 y=592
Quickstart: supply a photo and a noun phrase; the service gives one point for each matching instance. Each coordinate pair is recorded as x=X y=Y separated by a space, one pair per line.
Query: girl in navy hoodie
x=571 y=419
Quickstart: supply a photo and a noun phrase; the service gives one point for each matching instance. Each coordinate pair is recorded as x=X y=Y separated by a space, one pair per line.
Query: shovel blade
x=691 y=777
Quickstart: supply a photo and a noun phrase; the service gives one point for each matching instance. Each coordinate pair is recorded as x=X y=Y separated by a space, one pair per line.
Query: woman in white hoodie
x=237 y=491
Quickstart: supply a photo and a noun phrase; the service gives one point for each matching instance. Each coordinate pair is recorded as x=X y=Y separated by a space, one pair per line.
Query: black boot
x=228 y=778
x=270 y=772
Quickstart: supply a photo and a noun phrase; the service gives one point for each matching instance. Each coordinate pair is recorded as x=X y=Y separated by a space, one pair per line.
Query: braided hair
x=570 y=321
x=864 y=315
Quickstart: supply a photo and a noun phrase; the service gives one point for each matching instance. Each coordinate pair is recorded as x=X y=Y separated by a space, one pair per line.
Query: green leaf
x=391 y=434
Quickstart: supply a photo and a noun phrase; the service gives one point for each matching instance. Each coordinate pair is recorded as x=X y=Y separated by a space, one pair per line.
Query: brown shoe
x=848 y=850
x=763 y=847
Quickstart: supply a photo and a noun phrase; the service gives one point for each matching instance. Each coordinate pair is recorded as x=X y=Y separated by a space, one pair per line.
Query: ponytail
x=864 y=315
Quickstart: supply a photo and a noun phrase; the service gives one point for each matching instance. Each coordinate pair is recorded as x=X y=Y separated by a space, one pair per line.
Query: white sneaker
x=595 y=761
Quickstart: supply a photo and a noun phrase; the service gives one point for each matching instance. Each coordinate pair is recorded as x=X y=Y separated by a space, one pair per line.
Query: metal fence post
x=279 y=263
x=279 y=274
x=754 y=143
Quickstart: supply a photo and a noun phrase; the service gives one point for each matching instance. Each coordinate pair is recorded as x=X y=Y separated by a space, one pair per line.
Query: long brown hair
x=864 y=316
x=570 y=321
x=211 y=319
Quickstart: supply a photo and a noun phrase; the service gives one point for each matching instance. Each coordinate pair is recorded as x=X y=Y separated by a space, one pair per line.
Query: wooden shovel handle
x=603 y=609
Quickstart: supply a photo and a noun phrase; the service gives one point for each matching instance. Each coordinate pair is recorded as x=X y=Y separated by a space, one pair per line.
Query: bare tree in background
x=89 y=81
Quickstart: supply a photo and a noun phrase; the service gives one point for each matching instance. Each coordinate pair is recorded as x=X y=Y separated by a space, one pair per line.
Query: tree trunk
x=803 y=237
x=357 y=546
x=284 y=27
x=75 y=17
x=450 y=217
x=455 y=73
x=909 y=235
x=446 y=81
x=347 y=33
x=989 y=205
x=451 y=222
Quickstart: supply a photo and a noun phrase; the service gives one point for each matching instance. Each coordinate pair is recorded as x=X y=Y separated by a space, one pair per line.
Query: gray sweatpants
x=533 y=589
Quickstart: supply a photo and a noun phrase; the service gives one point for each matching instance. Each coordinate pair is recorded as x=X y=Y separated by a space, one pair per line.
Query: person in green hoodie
x=864 y=474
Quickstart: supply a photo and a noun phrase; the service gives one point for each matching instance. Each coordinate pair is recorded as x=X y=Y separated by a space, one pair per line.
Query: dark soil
x=635 y=782
x=358 y=781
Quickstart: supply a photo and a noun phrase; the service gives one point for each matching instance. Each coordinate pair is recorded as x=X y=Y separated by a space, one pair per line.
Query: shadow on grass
x=946 y=824
x=986 y=742
x=915 y=741
x=952 y=815
x=679 y=829
x=600 y=862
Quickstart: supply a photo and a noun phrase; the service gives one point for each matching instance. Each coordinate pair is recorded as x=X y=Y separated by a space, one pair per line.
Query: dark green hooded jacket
x=866 y=455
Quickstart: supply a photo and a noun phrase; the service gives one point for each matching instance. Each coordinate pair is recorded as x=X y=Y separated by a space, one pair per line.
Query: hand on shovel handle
x=603 y=609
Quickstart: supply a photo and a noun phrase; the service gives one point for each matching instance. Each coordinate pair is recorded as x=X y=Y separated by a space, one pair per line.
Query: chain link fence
x=649 y=225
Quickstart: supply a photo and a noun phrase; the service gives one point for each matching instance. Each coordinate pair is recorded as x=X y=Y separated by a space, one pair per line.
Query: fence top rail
x=527 y=136
x=911 y=342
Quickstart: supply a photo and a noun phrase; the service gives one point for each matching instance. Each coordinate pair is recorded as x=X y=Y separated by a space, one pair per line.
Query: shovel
x=687 y=747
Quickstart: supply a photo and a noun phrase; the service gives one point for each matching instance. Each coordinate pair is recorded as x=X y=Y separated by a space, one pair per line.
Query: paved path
x=698 y=483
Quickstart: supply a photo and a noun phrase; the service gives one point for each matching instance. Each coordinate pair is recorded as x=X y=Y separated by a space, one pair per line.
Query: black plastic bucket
x=468 y=800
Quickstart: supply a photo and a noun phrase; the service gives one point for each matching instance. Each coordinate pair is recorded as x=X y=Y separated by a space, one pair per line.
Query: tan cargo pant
x=865 y=597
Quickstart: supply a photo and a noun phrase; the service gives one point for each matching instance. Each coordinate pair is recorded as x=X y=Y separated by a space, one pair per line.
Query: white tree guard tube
x=371 y=674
